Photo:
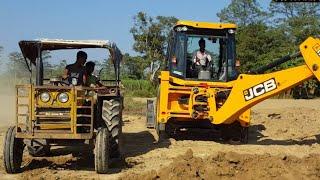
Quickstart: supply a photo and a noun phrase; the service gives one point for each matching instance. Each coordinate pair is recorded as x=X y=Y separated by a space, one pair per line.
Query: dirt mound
x=236 y=166
x=284 y=143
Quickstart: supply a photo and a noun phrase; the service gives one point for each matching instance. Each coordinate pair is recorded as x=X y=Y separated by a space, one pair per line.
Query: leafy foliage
x=150 y=37
x=17 y=66
x=138 y=88
x=133 y=67
x=243 y=12
x=262 y=36
x=260 y=41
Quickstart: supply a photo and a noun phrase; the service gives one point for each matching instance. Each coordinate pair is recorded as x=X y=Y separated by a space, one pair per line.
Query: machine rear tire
x=235 y=134
x=12 y=151
x=102 y=149
x=112 y=116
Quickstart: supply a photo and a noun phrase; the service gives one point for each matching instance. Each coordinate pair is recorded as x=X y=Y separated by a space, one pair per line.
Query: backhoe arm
x=249 y=90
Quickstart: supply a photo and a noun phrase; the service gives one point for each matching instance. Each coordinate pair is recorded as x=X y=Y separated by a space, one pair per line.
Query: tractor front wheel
x=102 y=149
x=12 y=151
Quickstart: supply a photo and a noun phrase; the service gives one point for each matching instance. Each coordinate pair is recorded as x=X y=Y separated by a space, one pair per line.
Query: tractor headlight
x=63 y=97
x=45 y=97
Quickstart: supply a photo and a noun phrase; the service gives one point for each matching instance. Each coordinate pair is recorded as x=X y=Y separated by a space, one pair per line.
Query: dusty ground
x=283 y=144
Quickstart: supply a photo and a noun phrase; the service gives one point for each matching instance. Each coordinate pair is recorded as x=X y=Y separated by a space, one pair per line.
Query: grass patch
x=134 y=107
x=138 y=88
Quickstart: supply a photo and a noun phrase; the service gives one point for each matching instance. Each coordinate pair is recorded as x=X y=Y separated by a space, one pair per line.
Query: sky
x=94 y=19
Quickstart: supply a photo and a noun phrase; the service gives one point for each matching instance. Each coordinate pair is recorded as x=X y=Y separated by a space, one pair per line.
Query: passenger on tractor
x=74 y=73
x=90 y=79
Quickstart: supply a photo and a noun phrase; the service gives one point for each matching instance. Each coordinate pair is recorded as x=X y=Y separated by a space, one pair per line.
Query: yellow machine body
x=243 y=92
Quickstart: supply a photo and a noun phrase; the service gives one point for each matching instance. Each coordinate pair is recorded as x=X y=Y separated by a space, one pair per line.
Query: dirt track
x=283 y=144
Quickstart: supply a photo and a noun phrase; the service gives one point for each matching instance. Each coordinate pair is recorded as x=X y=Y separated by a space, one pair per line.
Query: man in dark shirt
x=74 y=73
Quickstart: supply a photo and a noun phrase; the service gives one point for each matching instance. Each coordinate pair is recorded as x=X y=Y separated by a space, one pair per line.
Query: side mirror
x=238 y=63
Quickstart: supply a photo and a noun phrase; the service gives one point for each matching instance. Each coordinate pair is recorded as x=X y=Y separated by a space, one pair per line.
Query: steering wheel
x=65 y=82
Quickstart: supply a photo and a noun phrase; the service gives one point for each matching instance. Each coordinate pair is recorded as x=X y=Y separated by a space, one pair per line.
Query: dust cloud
x=7 y=102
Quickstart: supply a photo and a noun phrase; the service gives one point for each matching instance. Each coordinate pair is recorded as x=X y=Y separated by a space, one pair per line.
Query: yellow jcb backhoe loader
x=202 y=88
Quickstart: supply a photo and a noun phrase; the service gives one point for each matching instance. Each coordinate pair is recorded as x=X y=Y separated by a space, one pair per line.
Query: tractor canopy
x=32 y=52
x=31 y=49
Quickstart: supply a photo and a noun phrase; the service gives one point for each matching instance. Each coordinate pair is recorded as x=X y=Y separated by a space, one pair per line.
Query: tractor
x=56 y=112
x=203 y=89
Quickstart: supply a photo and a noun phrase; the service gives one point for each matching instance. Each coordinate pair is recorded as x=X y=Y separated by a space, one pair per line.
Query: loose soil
x=283 y=144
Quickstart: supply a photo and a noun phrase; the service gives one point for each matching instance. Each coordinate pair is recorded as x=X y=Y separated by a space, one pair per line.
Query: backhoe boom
x=249 y=90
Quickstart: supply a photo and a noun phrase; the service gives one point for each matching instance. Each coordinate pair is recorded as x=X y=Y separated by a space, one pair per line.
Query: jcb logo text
x=260 y=89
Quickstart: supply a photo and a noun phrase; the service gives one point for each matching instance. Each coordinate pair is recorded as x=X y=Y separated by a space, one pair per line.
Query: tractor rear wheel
x=112 y=116
x=102 y=149
x=13 y=151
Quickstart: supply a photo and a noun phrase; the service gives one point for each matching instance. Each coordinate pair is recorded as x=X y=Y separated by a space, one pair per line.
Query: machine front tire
x=102 y=149
x=13 y=151
x=112 y=116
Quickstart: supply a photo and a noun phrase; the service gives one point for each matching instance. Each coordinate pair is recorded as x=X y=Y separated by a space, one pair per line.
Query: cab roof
x=30 y=48
x=206 y=25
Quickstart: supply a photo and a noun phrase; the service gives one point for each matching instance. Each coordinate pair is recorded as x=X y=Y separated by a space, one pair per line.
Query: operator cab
x=202 y=51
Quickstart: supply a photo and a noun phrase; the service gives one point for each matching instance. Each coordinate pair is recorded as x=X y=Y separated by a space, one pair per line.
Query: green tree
x=150 y=35
x=257 y=43
x=243 y=12
x=108 y=71
x=298 y=20
x=133 y=67
x=48 y=68
x=58 y=69
x=284 y=11
x=17 y=68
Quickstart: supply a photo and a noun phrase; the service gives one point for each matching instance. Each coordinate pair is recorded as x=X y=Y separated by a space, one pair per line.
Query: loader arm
x=249 y=90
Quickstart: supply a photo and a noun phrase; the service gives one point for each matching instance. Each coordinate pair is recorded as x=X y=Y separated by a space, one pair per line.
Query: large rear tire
x=112 y=116
x=12 y=151
x=102 y=149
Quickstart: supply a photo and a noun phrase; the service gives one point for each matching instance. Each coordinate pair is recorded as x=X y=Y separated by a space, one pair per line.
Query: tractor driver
x=201 y=58
x=74 y=73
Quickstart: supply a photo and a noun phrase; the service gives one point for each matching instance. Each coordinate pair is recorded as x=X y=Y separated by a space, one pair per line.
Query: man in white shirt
x=201 y=58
